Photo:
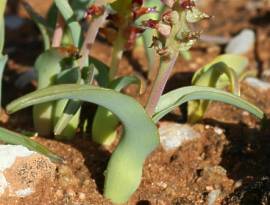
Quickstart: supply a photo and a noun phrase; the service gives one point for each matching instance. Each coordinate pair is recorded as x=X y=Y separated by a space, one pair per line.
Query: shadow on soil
x=247 y=161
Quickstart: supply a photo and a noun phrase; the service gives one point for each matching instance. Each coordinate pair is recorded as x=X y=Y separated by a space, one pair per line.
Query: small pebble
x=242 y=43
x=218 y=130
x=172 y=135
x=257 y=83
x=71 y=193
x=213 y=196
x=59 y=193
x=82 y=196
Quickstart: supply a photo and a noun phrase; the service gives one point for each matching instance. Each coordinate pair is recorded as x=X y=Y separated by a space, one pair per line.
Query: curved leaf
x=66 y=113
x=48 y=65
x=139 y=139
x=236 y=62
x=102 y=72
x=69 y=16
x=105 y=122
x=179 y=96
x=18 y=139
x=196 y=109
x=222 y=71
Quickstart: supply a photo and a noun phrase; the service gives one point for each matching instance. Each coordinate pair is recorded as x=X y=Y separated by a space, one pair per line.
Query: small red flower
x=94 y=10
x=187 y=4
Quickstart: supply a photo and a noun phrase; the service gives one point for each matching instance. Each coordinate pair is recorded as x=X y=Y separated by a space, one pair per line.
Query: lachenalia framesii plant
x=140 y=135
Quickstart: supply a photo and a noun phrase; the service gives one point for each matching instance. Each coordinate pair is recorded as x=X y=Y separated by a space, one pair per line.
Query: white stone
x=24 y=192
x=9 y=153
x=257 y=83
x=242 y=43
x=16 y=162
x=213 y=196
x=3 y=183
x=172 y=135
x=218 y=130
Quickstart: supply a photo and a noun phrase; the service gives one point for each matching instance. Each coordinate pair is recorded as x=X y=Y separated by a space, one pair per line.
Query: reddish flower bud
x=142 y=10
x=131 y=34
x=187 y=4
x=94 y=10
x=170 y=17
x=164 y=29
x=150 y=23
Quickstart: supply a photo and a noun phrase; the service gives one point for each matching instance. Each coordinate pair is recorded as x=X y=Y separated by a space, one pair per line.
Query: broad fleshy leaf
x=217 y=74
x=105 y=122
x=101 y=73
x=179 y=96
x=48 y=65
x=140 y=136
x=66 y=113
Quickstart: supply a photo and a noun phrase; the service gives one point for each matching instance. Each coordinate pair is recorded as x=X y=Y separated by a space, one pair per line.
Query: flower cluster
x=174 y=28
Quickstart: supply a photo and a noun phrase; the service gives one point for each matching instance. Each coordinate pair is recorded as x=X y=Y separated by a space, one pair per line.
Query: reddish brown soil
x=236 y=162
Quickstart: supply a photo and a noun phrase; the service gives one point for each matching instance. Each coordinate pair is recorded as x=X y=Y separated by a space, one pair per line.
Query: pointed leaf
x=18 y=139
x=139 y=138
x=105 y=122
x=179 y=96
x=66 y=113
x=69 y=16
x=216 y=74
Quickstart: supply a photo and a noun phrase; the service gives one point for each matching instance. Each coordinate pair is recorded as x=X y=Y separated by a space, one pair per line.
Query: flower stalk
x=174 y=37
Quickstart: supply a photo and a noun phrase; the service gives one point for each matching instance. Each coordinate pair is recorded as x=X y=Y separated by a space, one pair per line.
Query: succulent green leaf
x=66 y=113
x=171 y=100
x=236 y=62
x=140 y=136
x=88 y=73
x=47 y=65
x=18 y=139
x=105 y=122
x=101 y=73
x=41 y=23
x=216 y=74
x=74 y=26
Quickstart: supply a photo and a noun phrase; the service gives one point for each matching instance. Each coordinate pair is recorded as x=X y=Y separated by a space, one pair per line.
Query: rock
x=242 y=43
x=213 y=196
x=172 y=135
x=257 y=83
x=21 y=170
